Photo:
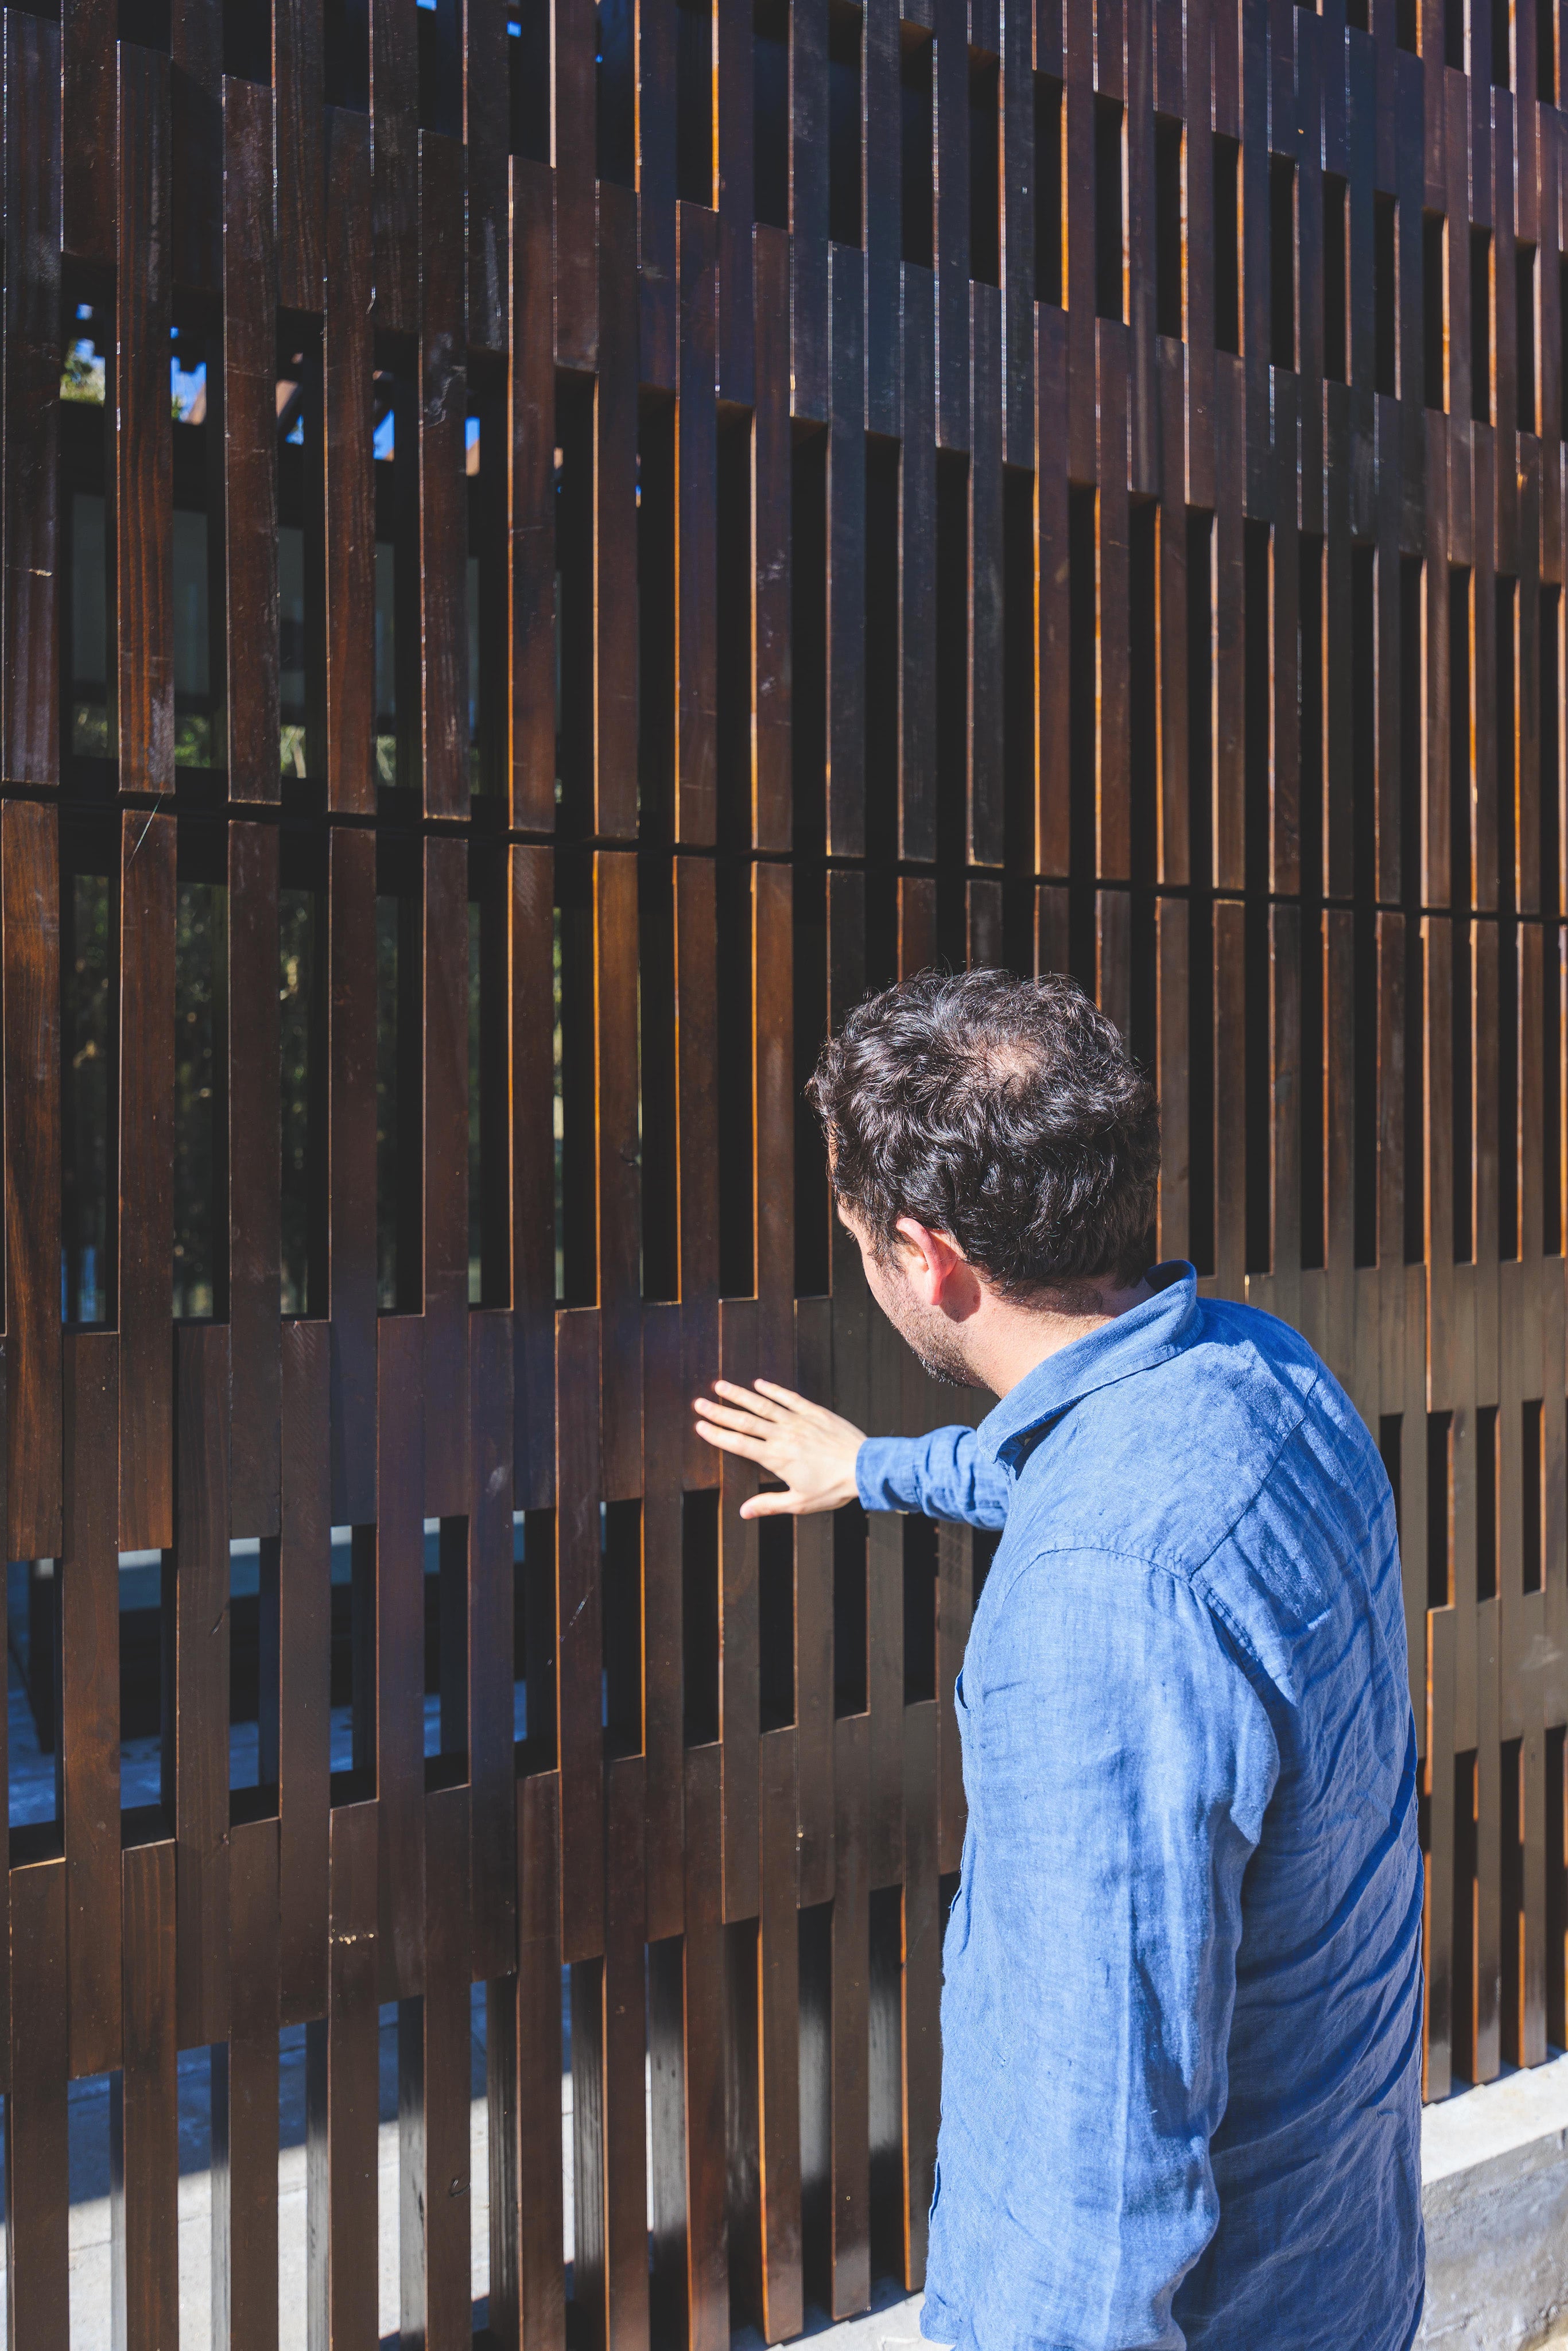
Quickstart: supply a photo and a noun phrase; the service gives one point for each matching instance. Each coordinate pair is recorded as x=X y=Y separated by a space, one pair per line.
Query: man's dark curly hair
x=1006 y=1112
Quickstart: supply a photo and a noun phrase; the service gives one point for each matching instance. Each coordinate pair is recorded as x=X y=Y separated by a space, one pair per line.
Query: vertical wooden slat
x=341 y=2099
x=30 y=954
x=250 y=441
x=144 y=2117
x=144 y=1252
x=143 y=438
x=88 y=1631
x=88 y=59
x=195 y=1742
x=445 y=971
x=352 y=1170
x=443 y=505
x=304 y=1681
x=580 y=1649
x=30 y=510
x=245 y=2074
x=399 y=1653
x=37 y=2148
x=492 y=1769
x=297 y=91
x=254 y=1178
x=349 y=492
x=531 y=500
x=433 y=2096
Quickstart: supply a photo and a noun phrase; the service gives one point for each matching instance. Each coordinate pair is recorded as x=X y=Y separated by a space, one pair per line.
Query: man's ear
x=932 y=1257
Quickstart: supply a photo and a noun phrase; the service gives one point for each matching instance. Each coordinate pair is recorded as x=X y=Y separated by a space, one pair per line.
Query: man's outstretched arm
x=822 y=1461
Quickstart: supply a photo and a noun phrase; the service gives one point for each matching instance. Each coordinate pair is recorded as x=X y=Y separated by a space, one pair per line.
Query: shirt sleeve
x=1119 y=1762
x=941 y=1475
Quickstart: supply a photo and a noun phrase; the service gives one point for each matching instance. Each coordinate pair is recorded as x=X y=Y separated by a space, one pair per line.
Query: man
x=1182 y=2012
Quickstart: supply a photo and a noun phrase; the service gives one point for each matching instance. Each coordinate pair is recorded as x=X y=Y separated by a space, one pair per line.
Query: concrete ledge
x=1494 y=2165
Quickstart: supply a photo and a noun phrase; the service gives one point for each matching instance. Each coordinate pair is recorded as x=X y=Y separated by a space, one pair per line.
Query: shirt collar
x=1146 y=1334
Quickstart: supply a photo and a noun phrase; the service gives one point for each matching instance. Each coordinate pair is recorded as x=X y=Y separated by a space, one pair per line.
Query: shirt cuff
x=882 y=1467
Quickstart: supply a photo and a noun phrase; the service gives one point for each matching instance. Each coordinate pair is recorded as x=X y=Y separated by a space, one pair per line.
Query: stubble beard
x=935 y=1349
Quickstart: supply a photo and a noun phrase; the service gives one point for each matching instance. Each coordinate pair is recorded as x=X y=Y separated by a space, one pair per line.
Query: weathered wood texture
x=1086 y=495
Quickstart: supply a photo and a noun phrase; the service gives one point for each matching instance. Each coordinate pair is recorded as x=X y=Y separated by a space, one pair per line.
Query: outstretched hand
x=810 y=1451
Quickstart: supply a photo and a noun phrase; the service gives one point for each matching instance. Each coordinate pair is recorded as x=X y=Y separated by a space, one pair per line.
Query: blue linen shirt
x=1181 y=2018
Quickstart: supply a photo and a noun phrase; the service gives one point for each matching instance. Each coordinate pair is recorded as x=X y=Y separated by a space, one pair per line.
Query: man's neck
x=1015 y=1338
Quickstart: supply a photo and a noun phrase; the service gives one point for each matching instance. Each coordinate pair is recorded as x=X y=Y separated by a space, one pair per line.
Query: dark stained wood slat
x=351 y=1170
x=30 y=513
x=530 y=917
x=399 y=1637
x=196 y=108
x=88 y=1631
x=696 y=475
x=735 y=194
x=771 y=447
x=917 y=536
x=297 y=83
x=486 y=92
x=533 y=2297
x=573 y=145
x=702 y=1954
x=921 y=1982
x=615 y=520
x=37 y=2150
x=348 y=489
x=144 y=1251
x=395 y=144
x=579 y=1645
x=884 y=1623
x=696 y=1141
x=664 y=1434
x=88 y=58
x=846 y=556
x=609 y=2270
x=250 y=441
x=814 y=1634
x=492 y=1769
x=850 y=2245
x=779 y=2054
x=143 y=437
x=30 y=956
x=617 y=1172
x=443 y=501
x=986 y=827
x=444 y=969
x=433 y=2096
x=304 y=1689
x=244 y=2077
x=531 y=499
x=196 y=1728
x=342 y=2066
x=738 y=1632
x=773 y=1095
x=143 y=2112
x=254 y=1167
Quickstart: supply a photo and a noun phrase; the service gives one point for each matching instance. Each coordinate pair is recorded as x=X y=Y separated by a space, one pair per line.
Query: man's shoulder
x=1166 y=1464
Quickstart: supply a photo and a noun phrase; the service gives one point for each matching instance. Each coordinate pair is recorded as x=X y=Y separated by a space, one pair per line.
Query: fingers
x=750 y=1448
x=786 y=1398
x=749 y=1399
x=727 y=1417
x=771 y=1505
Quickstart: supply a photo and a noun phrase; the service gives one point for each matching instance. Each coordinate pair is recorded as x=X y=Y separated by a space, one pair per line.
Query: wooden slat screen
x=541 y=553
